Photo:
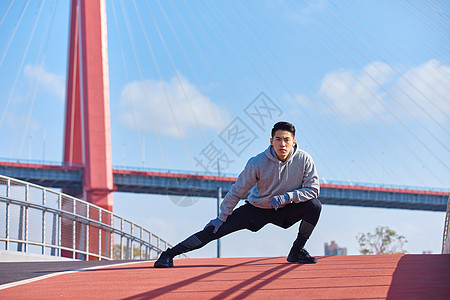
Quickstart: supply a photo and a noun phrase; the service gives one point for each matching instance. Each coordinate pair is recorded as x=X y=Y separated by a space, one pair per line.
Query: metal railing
x=37 y=220
x=446 y=235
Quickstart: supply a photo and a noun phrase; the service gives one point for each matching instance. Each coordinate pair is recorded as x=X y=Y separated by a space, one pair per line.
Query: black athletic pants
x=253 y=218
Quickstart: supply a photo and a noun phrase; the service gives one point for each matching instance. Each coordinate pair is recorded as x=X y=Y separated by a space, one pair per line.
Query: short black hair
x=283 y=126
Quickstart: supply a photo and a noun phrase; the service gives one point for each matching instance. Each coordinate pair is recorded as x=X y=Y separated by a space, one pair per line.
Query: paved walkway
x=333 y=277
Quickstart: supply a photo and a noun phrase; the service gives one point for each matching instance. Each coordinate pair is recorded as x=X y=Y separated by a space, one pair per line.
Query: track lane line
x=56 y=273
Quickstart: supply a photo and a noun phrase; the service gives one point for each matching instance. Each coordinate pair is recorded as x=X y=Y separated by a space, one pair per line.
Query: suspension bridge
x=87 y=167
x=203 y=82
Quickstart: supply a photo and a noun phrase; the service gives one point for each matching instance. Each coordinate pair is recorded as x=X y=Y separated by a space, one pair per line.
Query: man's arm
x=310 y=187
x=245 y=181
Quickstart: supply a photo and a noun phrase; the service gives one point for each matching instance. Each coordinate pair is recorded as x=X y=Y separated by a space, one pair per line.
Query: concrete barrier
x=13 y=256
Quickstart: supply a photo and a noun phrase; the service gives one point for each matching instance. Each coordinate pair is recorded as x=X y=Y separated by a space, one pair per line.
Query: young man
x=284 y=187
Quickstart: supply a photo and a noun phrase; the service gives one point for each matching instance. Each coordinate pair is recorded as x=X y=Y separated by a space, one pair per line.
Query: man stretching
x=284 y=187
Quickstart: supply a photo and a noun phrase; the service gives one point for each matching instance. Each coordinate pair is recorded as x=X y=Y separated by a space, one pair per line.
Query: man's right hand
x=279 y=200
x=216 y=223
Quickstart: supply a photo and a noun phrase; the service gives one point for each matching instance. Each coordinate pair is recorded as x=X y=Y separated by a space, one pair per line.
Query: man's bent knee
x=313 y=213
x=315 y=205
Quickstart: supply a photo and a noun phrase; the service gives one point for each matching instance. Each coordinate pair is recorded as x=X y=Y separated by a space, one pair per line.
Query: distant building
x=334 y=249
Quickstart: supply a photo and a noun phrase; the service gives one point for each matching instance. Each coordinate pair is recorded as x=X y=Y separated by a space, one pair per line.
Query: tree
x=383 y=241
x=133 y=253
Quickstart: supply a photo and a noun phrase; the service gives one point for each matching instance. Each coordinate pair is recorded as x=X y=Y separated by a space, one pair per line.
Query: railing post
x=127 y=252
x=59 y=226
x=111 y=242
x=44 y=193
x=27 y=199
x=121 y=238
x=150 y=243
x=146 y=247
x=74 y=230
x=106 y=243
x=82 y=241
x=8 y=192
x=20 y=230
x=88 y=214
x=141 y=236
x=100 y=235
x=55 y=231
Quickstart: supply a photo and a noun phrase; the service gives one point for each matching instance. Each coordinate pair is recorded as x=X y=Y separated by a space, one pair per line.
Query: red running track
x=333 y=277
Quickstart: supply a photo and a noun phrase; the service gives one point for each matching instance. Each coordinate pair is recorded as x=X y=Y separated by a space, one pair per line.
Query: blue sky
x=365 y=82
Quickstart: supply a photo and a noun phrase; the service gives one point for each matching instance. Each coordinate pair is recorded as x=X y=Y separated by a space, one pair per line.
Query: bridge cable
x=146 y=92
x=413 y=151
x=6 y=12
x=263 y=29
x=176 y=72
x=393 y=98
x=326 y=120
x=410 y=84
x=163 y=84
x=420 y=20
x=6 y=51
x=13 y=34
x=391 y=42
x=42 y=48
x=333 y=54
x=213 y=112
x=236 y=35
x=389 y=110
x=125 y=70
x=29 y=89
x=229 y=75
x=201 y=50
x=18 y=73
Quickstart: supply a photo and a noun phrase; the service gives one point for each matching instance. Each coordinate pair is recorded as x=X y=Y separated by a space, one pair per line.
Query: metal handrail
x=446 y=235
x=92 y=235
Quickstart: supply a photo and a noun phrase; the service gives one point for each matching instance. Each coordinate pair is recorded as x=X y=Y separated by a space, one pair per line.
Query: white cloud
x=174 y=108
x=425 y=91
x=378 y=91
x=357 y=97
x=50 y=82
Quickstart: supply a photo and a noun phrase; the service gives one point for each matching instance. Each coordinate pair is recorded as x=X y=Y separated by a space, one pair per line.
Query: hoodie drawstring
x=279 y=171
x=287 y=171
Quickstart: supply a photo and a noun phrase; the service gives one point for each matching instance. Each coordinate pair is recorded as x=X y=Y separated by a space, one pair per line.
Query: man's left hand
x=216 y=223
x=279 y=200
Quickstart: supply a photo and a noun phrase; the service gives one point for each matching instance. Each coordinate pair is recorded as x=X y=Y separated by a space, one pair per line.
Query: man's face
x=282 y=142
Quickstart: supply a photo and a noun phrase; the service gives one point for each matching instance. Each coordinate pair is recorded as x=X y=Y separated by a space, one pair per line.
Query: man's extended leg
x=237 y=221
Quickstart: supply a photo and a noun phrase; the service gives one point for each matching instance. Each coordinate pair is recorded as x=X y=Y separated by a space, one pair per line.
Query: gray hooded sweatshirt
x=267 y=177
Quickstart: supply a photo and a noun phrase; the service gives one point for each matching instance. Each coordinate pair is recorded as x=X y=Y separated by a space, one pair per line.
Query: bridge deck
x=333 y=277
x=185 y=184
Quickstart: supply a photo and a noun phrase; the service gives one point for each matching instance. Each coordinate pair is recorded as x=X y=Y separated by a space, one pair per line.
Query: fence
x=34 y=219
x=446 y=237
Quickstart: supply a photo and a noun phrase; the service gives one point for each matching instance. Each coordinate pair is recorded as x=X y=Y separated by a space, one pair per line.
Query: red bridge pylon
x=87 y=136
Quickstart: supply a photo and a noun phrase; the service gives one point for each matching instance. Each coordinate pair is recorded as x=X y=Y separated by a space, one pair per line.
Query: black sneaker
x=301 y=257
x=164 y=261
